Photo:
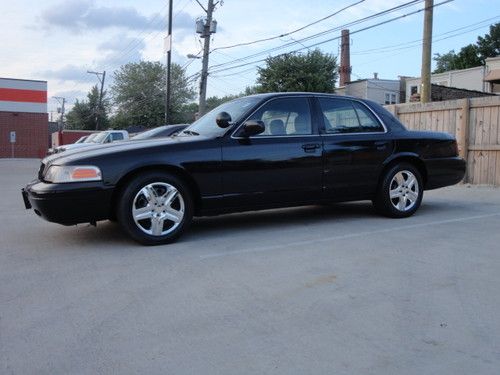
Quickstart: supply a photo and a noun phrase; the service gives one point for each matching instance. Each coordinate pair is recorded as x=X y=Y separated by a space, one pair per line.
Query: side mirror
x=252 y=127
x=223 y=120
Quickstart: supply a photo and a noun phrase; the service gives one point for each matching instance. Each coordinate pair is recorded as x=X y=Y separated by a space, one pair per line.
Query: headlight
x=72 y=173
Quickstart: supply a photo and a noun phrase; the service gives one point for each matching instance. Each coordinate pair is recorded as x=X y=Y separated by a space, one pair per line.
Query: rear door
x=283 y=165
x=356 y=144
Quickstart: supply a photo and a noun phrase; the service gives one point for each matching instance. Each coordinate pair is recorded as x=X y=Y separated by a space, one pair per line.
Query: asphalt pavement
x=311 y=290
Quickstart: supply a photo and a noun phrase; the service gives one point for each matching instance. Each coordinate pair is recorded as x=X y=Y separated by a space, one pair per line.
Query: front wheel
x=155 y=208
x=400 y=192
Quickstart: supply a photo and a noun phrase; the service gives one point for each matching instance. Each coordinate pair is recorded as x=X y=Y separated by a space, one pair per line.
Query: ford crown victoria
x=257 y=152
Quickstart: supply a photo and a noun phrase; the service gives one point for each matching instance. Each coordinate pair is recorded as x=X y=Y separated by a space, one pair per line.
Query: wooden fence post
x=462 y=132
x=393 y=109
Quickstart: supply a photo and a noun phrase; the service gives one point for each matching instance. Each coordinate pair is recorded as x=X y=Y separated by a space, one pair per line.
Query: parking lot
x=311 y=290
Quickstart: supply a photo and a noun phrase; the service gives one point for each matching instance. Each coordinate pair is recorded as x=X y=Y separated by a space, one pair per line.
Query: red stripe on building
x=27 y=96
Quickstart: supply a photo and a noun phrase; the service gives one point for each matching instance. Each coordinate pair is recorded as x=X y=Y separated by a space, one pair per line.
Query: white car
x=103 y=137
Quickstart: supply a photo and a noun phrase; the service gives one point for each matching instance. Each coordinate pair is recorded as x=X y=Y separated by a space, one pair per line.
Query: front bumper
x=70 y=203
x=444 y=172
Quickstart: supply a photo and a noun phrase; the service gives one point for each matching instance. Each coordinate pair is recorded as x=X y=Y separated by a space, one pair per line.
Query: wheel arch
x=410 y=158
x=177 y=171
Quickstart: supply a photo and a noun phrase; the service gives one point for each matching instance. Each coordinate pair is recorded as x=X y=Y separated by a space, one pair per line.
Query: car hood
x=73 y=146
x=106 y=149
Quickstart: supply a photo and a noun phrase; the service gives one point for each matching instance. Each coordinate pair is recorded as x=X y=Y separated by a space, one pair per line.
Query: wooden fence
x=474 y=122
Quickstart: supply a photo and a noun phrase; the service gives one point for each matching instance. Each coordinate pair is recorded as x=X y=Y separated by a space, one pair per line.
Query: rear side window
x=343 y=116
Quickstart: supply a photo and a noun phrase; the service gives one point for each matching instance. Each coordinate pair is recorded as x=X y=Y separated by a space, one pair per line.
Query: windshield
x=99 y=138
x=207 y=126
x=149 y=133
x=90 y=138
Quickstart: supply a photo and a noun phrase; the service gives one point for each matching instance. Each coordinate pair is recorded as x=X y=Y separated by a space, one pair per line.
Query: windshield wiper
x=189 y=132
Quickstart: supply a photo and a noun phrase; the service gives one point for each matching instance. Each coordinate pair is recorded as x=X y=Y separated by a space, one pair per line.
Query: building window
x=413 y=90
x=390 y=98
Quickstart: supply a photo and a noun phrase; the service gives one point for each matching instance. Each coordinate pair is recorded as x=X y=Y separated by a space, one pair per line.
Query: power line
x=290 y=32
x=417 y=42
x=131 y=46
x=134 y=44
x=313 y=36
x=329 y=40
x=242 y=72
x=371 y=61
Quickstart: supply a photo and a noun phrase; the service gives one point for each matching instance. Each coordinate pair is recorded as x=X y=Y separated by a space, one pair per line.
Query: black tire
x=398 y=181
x=155 y=208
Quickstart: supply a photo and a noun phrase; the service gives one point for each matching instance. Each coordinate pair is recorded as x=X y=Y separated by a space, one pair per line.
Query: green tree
x=471 y=55
x=445 y=62
x=313 y=71
x=139 y=94
x=489 y=45
x=84 y=113
x=189 y=111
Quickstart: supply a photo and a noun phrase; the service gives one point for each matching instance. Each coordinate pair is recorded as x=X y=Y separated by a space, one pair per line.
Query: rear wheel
x=400 y=192
x=155 y=208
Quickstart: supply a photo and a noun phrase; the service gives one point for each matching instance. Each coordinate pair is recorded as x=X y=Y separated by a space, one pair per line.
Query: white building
x=493 y=74
x=382 y=91
x=481 y=78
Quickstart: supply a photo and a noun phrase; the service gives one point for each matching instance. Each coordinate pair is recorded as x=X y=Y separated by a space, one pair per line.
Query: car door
x=355 y=144
x=282 y=165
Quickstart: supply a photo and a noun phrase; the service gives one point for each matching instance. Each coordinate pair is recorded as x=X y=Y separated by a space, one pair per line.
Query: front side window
x=117 y=137
x=207 y=125
x=285 y=116
x=345 y=116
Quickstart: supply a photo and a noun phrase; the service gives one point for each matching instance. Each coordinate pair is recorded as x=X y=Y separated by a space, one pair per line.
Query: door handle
x=381 y=145
x=311 y=147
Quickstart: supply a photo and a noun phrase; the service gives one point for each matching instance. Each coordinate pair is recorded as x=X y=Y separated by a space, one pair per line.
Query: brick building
x=23 y=118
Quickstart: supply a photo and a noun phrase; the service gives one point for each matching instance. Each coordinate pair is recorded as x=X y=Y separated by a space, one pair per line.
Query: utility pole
x=168 y=47
x=206 y=28
x=425 y=92
x=62 y=101
x=98 y=110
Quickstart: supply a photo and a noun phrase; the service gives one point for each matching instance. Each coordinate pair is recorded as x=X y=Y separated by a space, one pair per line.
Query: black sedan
x=256 y=152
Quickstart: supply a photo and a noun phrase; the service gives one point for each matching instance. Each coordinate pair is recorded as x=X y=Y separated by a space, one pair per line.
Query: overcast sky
x=59 y=40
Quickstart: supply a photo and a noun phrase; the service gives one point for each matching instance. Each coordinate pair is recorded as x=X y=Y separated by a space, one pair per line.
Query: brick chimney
x=345 y=59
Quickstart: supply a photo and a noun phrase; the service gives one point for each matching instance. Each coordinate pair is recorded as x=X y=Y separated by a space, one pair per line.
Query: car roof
x=303 y=93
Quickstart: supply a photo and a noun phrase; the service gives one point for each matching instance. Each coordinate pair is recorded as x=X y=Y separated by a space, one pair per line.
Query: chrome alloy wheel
x=404 y=190
x=158 y=209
